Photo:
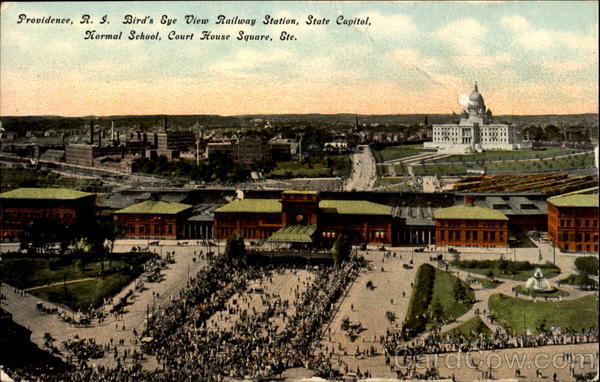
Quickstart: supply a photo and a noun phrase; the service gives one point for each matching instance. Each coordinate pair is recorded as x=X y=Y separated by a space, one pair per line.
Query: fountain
x=538 y=283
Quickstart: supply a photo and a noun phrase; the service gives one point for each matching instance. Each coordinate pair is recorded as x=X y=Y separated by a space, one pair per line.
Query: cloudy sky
x=415 y=57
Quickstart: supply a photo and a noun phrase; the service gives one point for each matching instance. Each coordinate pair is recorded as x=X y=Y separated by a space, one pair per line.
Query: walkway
x=23 y=305
x=61 y=283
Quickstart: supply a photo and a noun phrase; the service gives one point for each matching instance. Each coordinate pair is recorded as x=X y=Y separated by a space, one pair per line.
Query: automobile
x=408 y=266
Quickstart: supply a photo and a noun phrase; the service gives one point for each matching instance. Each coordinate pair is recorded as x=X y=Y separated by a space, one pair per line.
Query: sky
x=414 y=57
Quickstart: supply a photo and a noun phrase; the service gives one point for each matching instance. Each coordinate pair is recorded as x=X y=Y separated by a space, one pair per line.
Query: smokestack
x=99 y=138
x=112 y=131
x=91 y=132
x=165 y=126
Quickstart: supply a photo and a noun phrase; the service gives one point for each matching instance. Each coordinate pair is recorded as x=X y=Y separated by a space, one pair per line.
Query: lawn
x=507 y=269
x=396 y=152
x=487 y=283
x=86 y=293
x=517 y=314
x=327 y=166
x=508 y=165
x=556 y=293
x=509 y=155
x=579 y=280
x=38 y=272
x=442 y=169
x=469 y=330
x=443 y=293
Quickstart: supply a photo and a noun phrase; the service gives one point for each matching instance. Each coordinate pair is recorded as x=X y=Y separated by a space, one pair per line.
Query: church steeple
x=476 y=89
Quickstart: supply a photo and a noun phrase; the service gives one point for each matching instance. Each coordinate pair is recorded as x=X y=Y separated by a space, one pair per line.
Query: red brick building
x=63 y=206
x=153 y=219
x=573 y=222
x=469 y=225
x=362 y=221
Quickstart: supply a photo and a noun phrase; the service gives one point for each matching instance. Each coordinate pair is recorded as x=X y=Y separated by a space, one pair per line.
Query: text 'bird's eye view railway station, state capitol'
x=404 y=237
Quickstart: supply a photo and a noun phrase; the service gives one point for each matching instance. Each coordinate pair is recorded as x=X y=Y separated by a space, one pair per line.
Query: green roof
x=580 y=200
x=252 y=206
x=44 y=193
x=294 y=233
x=354 y=207
x=469 y=213
x=342 y=207
x=155 y=207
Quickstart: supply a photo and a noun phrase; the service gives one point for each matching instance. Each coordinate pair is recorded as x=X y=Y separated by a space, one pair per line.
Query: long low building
x=63 y=206
x=264 y=219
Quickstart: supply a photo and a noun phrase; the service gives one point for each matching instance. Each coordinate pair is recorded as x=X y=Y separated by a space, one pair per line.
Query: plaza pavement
x=359 y=303
x=175 y=275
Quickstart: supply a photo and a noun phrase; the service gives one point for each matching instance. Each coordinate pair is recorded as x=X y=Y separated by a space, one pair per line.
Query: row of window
x=472 y=236
x=156 y=229
x=587 y=223
x=471 y=223
x=44 y=213
x=579 y=237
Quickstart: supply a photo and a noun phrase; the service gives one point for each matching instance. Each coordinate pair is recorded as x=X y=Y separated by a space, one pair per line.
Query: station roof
x=155 y=207
x=354 y=207
x=342 y=207
x=44 y=193
x=469 y=213
x=581 y=200
x=294 y=234
x=252 y=206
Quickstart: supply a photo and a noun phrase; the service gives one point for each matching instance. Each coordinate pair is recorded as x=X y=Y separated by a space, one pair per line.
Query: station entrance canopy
x=294 y=234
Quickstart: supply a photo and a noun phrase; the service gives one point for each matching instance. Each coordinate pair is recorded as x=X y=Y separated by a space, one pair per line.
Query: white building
x=476 y=131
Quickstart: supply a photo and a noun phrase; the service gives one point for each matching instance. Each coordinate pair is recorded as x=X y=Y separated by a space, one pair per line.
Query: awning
x=294 y=234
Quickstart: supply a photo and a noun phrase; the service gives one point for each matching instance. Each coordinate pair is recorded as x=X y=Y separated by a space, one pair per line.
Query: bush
x=587 y=265
x=416 y=316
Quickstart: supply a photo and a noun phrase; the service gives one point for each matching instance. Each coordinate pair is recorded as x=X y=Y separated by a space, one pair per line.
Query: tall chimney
x=99 y=138
x=165 y=125
x=91 y=132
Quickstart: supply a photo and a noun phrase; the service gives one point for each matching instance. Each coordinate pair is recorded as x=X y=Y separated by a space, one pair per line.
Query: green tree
x=235 y=248
x=541 y=325
x=459 y=291
x=341 y=250
x=587 y=265
x=437 y=312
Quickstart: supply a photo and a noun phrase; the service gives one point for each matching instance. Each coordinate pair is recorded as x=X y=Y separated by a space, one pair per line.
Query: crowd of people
x=435 y=343
x=259 y=340
x=256 y=345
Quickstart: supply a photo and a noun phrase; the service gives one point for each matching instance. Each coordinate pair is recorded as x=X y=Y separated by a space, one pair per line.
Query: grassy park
x=396 y=152
x=518 y=315
x=553 y=294
x=75 y=281
x=509 y=155
x=471 y=329
x=443 y=287
x=507 y=269
x=506 y=165
x=328 y=166
x=435 y=300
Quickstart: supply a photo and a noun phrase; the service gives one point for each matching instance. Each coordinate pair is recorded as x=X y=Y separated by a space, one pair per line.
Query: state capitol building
x=476 y=132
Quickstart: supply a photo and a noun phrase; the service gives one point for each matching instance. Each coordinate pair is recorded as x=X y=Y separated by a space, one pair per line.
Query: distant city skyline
x=415 y=58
